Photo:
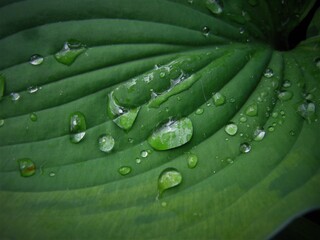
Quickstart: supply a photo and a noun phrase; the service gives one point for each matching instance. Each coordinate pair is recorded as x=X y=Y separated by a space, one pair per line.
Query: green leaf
x=239 y=159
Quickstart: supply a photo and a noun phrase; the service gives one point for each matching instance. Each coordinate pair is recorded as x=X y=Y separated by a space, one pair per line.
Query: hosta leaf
x=158 y=119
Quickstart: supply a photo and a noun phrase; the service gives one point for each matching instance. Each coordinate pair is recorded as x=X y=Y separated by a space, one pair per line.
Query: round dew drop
x=199 y=111
x=106 y=143
x=33 y=117
x=285 y=96
x=144 y=154
x=27 y=167
x=32 y=89
x=231 y=129
x=168 y=178
x=192 y=160
x=77 y=127
x=124 y=170
x=15 y=96
x=259 y=134
x=252 y=110
x=218 y=99
x=1 y=122
x=205 y=31
x=268 y=73
x=36 y=60
x=215 y=6
x=245 y=148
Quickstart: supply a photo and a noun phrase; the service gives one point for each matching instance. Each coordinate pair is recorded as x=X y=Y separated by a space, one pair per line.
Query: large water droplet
x=77 y=127
x=2 y=85
x=285 y=96
x=231 y=129
x=33 y=117
x=215 y=6
x=32 y=89
x=268 y=73
x=245 y=148
x=70 y=51
x=1 y=122
x=36 y=59
x=172 y=134
x=27 y=167
x=199 y=111
x=15 y=96
x=192 y=160
x=124 y=170
x=218 y=99
x=252 y=110
x=307 y=110
x=168 y=178
x=144 y=153
x=106 y=143
x=259 y=134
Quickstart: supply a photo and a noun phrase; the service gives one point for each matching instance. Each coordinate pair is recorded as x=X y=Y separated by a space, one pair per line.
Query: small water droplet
x=271 y=129
x=259 y=134
x=215 y=6
x=285 y=96
x=162 y=74
x=192 y=160
x=219 y=99
x=172 y=134
x=36 y=60
x=27 y=167
x=199 y=111
x=52 y=174
x=1 y=122
x=206 y=31
x=33 y=117
x=77 y=127
x=138 y=160
x=71 y=50
x=229 y=160
x=252 y=110
x=124 y=170
x=144 y=153
x=231 y=129
x=268 y=73
x=245 y=148
x=168 y=178
x=275 y=114
x=106 y=143
x=243 y=119
x=32 y=89
x=241 y=30
x=15 y=96
x=130 y=140
x=292 y=133
x=190 y=1
x=286 y=84
x=307 y=110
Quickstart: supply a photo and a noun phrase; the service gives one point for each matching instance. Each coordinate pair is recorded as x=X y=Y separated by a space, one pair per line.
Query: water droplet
x=124 y=170
x=32 y=89
x=168 y=178
x=144 y=153
x=259 y=134
x=130 y=140
x=229 y=160
x=162 y=74
x=199 y=111
x=15 y=96
x=52 y=174
x=1 y=122
x=231 y=129
x=192 y=160
x=164 y=204
x=307 y=110
x=309 y=97
x=243 y=119
x=138 y=160
x=33 y=117
x=106 y=143
x=271 y=129
x=36 y=59
x=275 y=114
x=268 y=73
x=285 y=96
x=286 y=84
x=317 y=62
x=252 y=110
x=172 y=134
x=253 y=3
x=2 y=85
x=27 y=167
x=70 y=51
x=245 y=148
x=292 y=133
x=205 y=31
x=232 y=100
x=241 y=30
x=219 y=99
x=77 y=127
x=215 y=6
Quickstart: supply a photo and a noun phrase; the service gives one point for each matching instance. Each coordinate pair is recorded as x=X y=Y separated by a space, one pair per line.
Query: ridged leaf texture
x=161 y=61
